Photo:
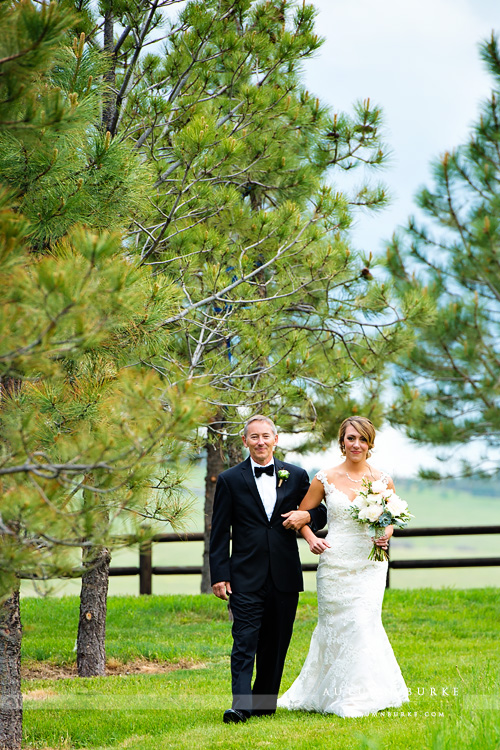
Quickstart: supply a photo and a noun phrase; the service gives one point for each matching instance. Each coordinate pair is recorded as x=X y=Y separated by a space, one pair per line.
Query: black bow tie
x=259 y=470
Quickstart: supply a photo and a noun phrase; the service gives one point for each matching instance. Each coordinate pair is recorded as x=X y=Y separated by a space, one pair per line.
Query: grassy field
x=444 y=641
x=432 y=505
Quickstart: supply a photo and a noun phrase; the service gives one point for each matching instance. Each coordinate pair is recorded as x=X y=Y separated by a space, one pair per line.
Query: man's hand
x=222 y=589
x=296 y=519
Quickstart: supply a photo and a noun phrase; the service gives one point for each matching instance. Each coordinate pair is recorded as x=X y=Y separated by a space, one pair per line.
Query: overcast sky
x=420 y=62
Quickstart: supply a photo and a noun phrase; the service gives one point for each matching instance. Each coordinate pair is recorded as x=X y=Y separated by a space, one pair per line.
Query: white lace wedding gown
x=350 y=669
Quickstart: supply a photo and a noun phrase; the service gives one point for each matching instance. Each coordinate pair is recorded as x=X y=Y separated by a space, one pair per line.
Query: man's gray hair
x=259 y=418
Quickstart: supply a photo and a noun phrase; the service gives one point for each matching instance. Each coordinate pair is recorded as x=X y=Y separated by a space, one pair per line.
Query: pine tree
x=85 y=426
x=448 y=385
x=279 y=314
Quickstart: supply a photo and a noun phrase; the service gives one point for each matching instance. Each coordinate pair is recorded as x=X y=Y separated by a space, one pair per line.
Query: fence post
x=388 y=576
x=145 y=568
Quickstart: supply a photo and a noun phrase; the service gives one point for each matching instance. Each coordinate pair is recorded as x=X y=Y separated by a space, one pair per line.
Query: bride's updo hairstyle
x=363 y=426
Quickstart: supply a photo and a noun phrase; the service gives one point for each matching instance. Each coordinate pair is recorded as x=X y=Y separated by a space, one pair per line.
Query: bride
x=350 y=669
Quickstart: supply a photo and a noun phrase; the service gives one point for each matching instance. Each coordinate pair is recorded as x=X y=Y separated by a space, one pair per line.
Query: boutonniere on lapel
x=283 y=475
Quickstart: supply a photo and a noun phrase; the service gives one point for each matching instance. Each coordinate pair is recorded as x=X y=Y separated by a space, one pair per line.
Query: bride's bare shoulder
x=334 y=472
x=378 y=474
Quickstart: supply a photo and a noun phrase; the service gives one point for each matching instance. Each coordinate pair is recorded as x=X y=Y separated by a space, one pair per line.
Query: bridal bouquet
x=379 y=507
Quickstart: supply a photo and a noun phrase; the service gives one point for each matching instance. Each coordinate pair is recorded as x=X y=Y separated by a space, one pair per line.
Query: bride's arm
x=297 y=519
x=312 y=499
x=383 y=541
x=313 y=496
x=316 y=544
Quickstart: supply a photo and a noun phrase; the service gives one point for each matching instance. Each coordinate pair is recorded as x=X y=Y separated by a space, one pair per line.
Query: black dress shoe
x=234 y=716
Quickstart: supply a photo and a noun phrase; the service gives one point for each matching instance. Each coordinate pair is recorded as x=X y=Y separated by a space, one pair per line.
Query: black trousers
x=262 y=628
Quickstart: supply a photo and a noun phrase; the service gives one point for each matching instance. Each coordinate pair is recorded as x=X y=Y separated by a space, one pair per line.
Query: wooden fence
x=146 y=570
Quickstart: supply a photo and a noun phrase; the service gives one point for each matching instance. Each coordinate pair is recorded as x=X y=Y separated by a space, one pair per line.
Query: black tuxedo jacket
x=259 y=545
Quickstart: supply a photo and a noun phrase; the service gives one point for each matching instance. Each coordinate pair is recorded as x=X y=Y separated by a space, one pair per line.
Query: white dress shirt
x=267 y=487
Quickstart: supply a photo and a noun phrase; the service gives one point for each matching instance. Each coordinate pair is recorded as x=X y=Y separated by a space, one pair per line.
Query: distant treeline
x=479 y=487
x=483 y=487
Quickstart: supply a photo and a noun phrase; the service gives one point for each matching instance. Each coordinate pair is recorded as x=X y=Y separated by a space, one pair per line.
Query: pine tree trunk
x=11 y=700
x=91 y=641
x=235 y=451
x=216 y=462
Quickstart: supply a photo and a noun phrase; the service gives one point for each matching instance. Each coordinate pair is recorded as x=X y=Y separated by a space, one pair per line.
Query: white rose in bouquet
x=396 y=506
x=373 y=499
x=360 y=501
x=378 y=486
x=371 y=513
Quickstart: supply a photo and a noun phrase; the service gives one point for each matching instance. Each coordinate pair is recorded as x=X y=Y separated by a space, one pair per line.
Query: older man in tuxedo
x=257 y=501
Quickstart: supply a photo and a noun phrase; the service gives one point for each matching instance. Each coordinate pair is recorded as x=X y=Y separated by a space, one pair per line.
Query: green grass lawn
x=443 y=639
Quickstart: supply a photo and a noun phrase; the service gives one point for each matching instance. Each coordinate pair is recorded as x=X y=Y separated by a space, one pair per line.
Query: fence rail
x=146 y=570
